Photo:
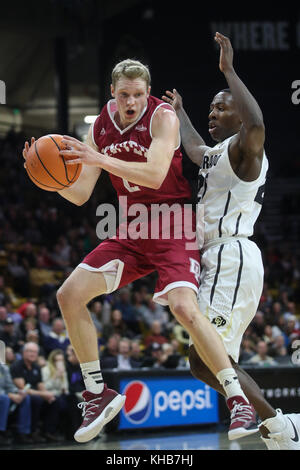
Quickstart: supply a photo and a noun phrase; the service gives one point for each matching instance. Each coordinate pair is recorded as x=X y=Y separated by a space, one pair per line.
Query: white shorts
x=231 y=285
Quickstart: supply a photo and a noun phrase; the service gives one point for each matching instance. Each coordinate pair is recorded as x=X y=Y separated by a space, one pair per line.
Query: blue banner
x=167 y=401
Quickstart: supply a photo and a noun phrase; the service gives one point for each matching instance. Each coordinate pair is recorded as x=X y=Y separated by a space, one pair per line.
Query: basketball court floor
x=182 y=440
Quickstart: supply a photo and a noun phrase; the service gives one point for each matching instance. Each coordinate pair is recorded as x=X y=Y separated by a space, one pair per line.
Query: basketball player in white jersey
x=232 y=177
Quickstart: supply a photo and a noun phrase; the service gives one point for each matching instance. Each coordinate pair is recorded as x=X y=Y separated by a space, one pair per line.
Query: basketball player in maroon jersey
x=136 y=140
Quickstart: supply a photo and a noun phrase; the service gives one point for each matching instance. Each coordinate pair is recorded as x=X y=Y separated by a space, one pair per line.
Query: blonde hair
x=51 y=360
x=131 y=69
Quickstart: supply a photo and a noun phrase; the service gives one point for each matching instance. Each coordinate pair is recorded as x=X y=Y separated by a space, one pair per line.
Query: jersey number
x=129 y=188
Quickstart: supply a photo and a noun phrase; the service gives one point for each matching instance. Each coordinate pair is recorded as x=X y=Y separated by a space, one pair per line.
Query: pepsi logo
x=138 y=402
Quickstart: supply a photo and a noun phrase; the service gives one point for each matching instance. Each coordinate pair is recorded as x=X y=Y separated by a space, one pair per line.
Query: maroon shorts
x=176 y=260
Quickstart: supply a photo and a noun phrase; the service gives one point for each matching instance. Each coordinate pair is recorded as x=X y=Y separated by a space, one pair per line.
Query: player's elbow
x=156 y=184
x=158 y=181
x=80 y=202
x=158 y=176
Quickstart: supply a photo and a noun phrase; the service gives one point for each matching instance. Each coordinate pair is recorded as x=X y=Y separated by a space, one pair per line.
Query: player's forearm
x=247 y=106
x=190 y=138
x=77 y=196
x=148 y=174
x=81 y=190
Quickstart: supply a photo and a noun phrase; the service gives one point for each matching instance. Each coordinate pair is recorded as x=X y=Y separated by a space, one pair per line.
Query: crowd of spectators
x=42 y=239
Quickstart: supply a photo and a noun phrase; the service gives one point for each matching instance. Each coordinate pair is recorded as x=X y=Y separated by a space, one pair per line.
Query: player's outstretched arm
x=252 y=133
x=192 y=142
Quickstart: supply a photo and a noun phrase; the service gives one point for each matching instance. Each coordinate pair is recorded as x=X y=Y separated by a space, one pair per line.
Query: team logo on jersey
x=140 y=128
x=138 y=402
x=102 y=132
x=219 y=321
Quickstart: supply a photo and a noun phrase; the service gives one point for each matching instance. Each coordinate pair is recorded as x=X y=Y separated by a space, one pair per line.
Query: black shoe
x=24 y=439
x=38 y=438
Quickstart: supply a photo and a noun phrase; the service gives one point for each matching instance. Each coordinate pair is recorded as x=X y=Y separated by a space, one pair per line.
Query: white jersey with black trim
x=231 y=205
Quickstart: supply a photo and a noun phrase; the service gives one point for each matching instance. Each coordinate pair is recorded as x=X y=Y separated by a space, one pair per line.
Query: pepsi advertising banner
x=166 y=401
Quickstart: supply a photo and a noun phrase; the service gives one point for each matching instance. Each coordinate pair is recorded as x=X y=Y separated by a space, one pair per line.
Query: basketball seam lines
x=46 y=185
x=66 y=171
x=46 y=169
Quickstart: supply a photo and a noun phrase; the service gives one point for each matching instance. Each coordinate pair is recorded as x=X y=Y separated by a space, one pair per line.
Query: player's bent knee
x=68 y=296
x=184 y=310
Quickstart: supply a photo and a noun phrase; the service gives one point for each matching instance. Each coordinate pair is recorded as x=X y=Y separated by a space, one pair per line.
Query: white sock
x=92 y=376
x=230 y=382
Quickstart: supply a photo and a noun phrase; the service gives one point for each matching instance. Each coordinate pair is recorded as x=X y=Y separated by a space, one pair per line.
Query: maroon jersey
x=131 y=144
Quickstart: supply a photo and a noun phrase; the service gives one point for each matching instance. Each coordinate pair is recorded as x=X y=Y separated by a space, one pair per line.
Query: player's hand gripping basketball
x=226 y=52
x=26 y=149
x=173 y=98
x=83 y=152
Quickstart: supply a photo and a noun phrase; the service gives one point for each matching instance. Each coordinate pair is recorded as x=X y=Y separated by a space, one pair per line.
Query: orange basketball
x=47 y=168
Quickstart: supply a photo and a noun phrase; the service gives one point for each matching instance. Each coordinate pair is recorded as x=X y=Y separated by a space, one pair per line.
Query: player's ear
x=149 y=90
x=112 y=91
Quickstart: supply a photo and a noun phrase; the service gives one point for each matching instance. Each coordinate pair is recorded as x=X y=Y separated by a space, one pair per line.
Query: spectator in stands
x=258 y=325
x=137 y=354
x=160 y=356
x=11 y=313
x=140 y=308
x=261 y=357
x=291 y=329
x=247 y=350
x=111 y=350
x=44 y=321
x=125 y=361
x=95 y=309
x=74 y=376
x=117 y=325
x=155 y=335
x=268 y=335
x=128 y=312
x=55 y=379
x=44 y=408
x=276 y=311
x=29 y=312
x=154 y=312
x=57 y=338
x=18 y=274
x=11 y=396
x=279 y=351
x=54 y=373
x=11 y=356
x=43 y=280
x=10 y=335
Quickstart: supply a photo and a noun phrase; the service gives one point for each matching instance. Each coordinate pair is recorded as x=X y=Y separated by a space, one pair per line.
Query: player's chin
x=217 y=134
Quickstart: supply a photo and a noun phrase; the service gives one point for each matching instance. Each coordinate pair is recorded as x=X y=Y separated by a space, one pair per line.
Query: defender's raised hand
x=226 y=52
x=173 y=98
